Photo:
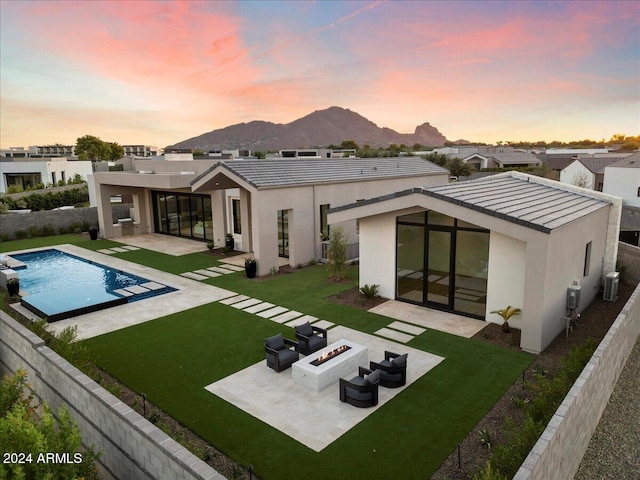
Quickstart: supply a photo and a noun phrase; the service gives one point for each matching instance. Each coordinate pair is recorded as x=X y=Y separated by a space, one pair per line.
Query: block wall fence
x=132 y=447
x=560 y=448
x=629 y=256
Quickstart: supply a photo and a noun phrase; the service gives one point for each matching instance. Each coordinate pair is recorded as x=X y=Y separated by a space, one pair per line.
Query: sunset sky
x=158 y=72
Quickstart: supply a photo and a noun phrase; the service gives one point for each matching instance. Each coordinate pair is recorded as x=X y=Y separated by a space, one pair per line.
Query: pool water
x=59 y=285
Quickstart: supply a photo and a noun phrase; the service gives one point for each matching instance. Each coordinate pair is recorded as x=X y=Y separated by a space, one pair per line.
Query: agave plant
x=506 y=314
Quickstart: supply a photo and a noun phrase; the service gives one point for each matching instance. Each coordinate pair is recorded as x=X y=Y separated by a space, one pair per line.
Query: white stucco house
x=477 y=246
x=273 y=209
x=28 y=172
x=622 y=179
x=502 y=160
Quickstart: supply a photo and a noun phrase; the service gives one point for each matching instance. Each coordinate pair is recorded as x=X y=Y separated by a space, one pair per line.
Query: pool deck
x=189 y=294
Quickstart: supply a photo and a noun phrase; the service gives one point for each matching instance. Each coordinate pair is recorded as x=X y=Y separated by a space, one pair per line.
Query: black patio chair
x=279 y=353
x=361 y=391
x=393 y=369
x=310 y=339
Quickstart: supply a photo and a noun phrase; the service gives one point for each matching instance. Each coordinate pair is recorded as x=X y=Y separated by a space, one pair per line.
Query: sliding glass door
x=183 y=215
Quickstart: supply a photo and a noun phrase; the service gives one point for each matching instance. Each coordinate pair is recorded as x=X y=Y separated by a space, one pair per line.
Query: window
x=587 y=259
x=324 y=226
x=63 y=176
x=53 y=178
x=237 y=224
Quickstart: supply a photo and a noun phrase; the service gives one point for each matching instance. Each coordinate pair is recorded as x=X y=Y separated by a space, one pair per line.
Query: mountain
x=318 y=129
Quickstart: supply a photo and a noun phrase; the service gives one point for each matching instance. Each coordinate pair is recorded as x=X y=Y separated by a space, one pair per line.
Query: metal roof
x=269 y=173
x=517 y=199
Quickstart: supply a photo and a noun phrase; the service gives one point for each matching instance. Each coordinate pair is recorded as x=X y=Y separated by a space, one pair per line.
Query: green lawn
x=171 y=359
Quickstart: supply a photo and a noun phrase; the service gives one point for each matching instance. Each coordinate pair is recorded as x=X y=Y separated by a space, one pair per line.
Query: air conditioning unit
x=611 y=286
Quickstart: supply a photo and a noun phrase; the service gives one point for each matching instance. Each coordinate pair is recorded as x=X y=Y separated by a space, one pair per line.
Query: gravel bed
x=614 y=450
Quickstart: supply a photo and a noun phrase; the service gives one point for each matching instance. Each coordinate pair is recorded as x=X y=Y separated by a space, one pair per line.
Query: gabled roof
x=270 y=173
x=516 y=198
x=632 y=161
x=510 y=158
x=596 y=165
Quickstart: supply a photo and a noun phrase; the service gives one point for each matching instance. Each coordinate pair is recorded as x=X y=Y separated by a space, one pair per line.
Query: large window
x=183 y=215
x=442 y=262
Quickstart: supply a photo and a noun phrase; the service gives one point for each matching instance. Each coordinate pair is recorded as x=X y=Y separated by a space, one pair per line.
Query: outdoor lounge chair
x=310 y=339
x=361 y=391
x=393 y=369
x=279 y=353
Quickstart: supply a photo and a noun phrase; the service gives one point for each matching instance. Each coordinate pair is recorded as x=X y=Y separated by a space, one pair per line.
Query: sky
x=159 y=72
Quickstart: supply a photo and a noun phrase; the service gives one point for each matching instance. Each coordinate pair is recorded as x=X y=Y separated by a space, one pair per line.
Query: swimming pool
x=59 y=285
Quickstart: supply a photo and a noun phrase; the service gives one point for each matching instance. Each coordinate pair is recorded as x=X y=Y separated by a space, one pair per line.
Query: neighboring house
x=140 y=150
x=313 y=153
x=622 y=179
x=475 y=247
x=588 y=171
x=28 y=172
x=502 y=160
x=273 y=208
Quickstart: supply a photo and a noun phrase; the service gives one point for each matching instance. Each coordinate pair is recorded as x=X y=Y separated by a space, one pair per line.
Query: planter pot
x=229 y=242
x=93 y=234
x=13 y=288
x=250 y=269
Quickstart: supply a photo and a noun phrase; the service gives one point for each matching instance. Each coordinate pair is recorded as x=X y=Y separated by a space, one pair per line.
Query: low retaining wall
x=629 y=256
x=131 y=446
x=560 y=448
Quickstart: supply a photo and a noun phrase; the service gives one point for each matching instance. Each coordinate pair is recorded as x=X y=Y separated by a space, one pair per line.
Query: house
x=272 y=208
x=29 y=172
x=622 y=179
x=587 y=171
x=502 y=160
x=477 y=246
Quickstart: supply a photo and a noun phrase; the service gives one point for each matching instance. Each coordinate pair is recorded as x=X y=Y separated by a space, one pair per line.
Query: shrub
x=34 y=232
x=485 y=438
x=488 y=473
x=14 y=189
x=370 y=291
x=21 y=234
x=47 y=230
x=519 y=440
x=337 y=257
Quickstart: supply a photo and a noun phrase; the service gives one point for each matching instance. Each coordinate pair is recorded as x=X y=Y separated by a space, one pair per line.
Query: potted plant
x=506 y=314
x=13 y=286
x=229 y=242
x=210 y=246
x=93 y=232
x=250 y=267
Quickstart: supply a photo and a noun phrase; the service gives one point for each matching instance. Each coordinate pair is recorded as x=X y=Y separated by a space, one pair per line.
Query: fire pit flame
x=326 y=356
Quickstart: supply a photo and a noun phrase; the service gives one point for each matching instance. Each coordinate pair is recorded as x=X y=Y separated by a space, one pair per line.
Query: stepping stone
x=232 y=300
x=194 y=276
x=136 y=289
x=220 y=270
x=259 y=307
x=246 y=303
x=301 y=320
x=152 y=285
x=308 y=318
x=119 y=249
x=326 y=324
x=207 y=273
x=235 y=268
x=131 y=247
x=272 y=312
x=285 y=317
x=106 y=251
x=393 y=335
x=403 y=327
x=123 y=292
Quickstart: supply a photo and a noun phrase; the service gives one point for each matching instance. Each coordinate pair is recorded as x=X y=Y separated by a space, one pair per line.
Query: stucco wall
x=131 y=446
x=623 y=182
x=560 y=449
x=378 y=253
x=575 y=171
x=629 y=256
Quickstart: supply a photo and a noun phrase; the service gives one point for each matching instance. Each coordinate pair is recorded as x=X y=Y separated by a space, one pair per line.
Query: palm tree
x=506 y=314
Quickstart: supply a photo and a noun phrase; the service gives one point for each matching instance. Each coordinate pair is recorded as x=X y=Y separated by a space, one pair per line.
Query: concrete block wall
x=560 y=449
x=629 y=256
x=132 y=447
x=12 y=222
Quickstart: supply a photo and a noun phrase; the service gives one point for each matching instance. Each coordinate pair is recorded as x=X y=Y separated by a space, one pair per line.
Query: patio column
x=219 y=217
x=245 y=220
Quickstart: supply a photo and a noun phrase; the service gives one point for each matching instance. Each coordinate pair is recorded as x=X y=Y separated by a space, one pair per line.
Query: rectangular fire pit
x=317 y=378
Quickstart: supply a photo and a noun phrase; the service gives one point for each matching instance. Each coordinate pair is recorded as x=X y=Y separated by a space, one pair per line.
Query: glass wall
x=455 y=256
x=183 y=215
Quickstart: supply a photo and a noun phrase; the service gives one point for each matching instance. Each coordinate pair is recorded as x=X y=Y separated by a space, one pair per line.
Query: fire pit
x=326 y=356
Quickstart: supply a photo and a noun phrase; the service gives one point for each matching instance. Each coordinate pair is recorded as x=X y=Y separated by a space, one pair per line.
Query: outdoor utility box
x=573 y=297
x=611 y=282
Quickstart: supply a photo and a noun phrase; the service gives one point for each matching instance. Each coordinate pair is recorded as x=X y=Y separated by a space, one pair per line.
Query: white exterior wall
x=623 y=182
x=45 y=169
x=575 y=169
x=378 y=253
x=505 y=281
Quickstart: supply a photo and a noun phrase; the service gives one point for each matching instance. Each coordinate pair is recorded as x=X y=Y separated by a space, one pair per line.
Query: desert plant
x=489 y=473
x=506 y=314
x=369 y=291
x=485 y=438
x=518 y=400
x=210 y=246
x=337 y=258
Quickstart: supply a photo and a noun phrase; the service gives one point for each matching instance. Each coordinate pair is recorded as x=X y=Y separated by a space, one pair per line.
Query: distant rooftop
x=632 y=161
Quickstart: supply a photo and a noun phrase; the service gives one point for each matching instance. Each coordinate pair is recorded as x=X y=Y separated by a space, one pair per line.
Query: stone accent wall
x=560 y=449
x=629 y=256
x=131 y=446
x=10 y=223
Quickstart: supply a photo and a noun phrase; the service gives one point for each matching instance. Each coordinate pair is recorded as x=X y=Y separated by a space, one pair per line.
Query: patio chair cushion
x=276 y=342
x=288 y=356
x=316 y=343
x=399 y=361
x=373 y=377
x=305 y=329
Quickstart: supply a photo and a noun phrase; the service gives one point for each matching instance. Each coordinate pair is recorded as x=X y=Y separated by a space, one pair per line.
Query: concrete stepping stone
x=207 y=273
x=235 y=268
x=394 y=335
x=194 y=276
x=272 y=312
x=246 y=303
x=296 y=322
x=152 y=285
x=220 y=270
x=232 y=300
x=285 y=317
x=403 y=327
x=326 y=324
x=131 y=247
x=106 y=251
x=119 y=249
x=259 y=307
x=307 y=318
x=136 y=289
x=123 y=292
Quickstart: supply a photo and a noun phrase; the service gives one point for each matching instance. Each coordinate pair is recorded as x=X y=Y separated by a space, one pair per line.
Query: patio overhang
x=149 y=179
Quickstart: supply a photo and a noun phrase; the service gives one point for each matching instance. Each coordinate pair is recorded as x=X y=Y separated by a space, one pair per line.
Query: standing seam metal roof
x=289 y=172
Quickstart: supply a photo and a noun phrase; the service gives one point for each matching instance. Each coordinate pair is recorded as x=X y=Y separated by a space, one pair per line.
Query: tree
x=458 y=168
x=437 y=158
x=116 y=151
x=349 y=144
x=92 y=148
x=580 y=179
x=337 y=257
